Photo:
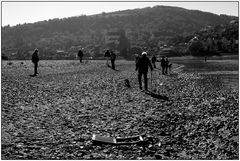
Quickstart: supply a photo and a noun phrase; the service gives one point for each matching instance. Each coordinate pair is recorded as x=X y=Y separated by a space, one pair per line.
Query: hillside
x=147 y=27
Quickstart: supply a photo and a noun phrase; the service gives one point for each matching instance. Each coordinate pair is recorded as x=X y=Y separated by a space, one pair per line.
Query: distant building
x=112 y=36
x=193 y=40
x=233 y=22
x=166 y=51
x=60 y=51
x=75 y=48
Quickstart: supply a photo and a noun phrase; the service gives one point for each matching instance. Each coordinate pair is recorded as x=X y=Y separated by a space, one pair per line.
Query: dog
x=127 y=83
x=170 y=67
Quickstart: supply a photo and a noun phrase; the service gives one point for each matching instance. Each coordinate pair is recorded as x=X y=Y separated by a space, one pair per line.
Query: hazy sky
x=14 y=13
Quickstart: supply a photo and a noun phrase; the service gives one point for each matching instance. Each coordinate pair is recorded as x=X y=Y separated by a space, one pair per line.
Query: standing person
x=142 y=67
x=35 y=61
x=163 y=64
x=80 y=55
x=113 y=58
x=107 y=54
x=154 y=59
x=166 y=65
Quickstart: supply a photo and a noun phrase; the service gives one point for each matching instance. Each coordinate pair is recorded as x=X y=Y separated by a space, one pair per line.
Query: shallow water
x=226 y=68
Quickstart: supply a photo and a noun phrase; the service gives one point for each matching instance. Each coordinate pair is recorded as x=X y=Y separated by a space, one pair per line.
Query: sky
x=16 y=12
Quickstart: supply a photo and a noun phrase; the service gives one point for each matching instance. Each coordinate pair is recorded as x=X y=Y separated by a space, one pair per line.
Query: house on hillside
x=166 y=51
x=61 y=54
x=75 y=48
x=112 y=36
x=234 y=22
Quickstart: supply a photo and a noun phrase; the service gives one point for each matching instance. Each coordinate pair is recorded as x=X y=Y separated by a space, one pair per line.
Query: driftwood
x=97 y=139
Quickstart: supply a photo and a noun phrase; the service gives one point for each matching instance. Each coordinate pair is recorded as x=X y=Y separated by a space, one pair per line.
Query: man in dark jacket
x=142 y=67
x=35 y=60
x=163 y=63
x=80 y=55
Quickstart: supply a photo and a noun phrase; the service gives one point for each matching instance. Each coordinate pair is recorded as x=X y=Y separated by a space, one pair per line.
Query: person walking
x=142 y=68
x=35 y=61
x=107 y=54
x=80 y=55
x=166 y=65
x=154 y=59
x=163 y=65
x=113 y=58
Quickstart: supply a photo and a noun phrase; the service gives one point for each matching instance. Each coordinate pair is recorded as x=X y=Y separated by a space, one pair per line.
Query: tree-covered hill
x=121 y=30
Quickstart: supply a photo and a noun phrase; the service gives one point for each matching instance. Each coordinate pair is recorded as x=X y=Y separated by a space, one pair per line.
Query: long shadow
x=158 y=96
x=112 y=68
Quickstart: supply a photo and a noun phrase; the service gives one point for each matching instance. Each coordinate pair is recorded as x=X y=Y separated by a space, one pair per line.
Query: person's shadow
x=109 y=66
x=158 y=96
x=32 y=75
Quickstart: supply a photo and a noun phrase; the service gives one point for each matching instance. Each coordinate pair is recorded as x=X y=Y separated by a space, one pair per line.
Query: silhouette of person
x=107 y=54
x=154 y=59
x=35 y=61
x=113 y=58
x=142 y=67
x=163 y=65
x=166 y=65
x=80 y=55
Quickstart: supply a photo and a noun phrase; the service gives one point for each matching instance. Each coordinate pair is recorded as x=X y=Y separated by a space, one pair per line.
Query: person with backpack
x=113 y=58
x=35 y=61
x=80 y=55
x=142 y=68
x=163 y=65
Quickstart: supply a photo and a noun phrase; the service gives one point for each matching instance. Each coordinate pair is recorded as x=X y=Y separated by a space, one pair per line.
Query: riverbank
x=53 y=115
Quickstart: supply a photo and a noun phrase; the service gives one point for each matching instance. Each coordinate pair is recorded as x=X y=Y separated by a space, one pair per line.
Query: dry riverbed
x=53 y=115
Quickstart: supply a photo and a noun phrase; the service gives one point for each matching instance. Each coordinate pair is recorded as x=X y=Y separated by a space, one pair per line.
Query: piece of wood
x=97 y=139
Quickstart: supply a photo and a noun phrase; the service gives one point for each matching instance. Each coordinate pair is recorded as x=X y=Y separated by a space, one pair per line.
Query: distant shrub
x=10 y=63
x=196 y=48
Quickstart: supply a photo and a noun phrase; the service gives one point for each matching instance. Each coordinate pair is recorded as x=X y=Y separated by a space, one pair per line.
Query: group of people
x=35 y=60
x=112 y=56
x=142 y=64
x=165 y=65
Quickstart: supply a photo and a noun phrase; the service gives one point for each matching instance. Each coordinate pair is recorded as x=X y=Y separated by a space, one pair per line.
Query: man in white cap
x=142 y=67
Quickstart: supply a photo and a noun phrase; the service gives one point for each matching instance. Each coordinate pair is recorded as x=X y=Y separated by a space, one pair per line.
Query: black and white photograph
x=120 y=80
